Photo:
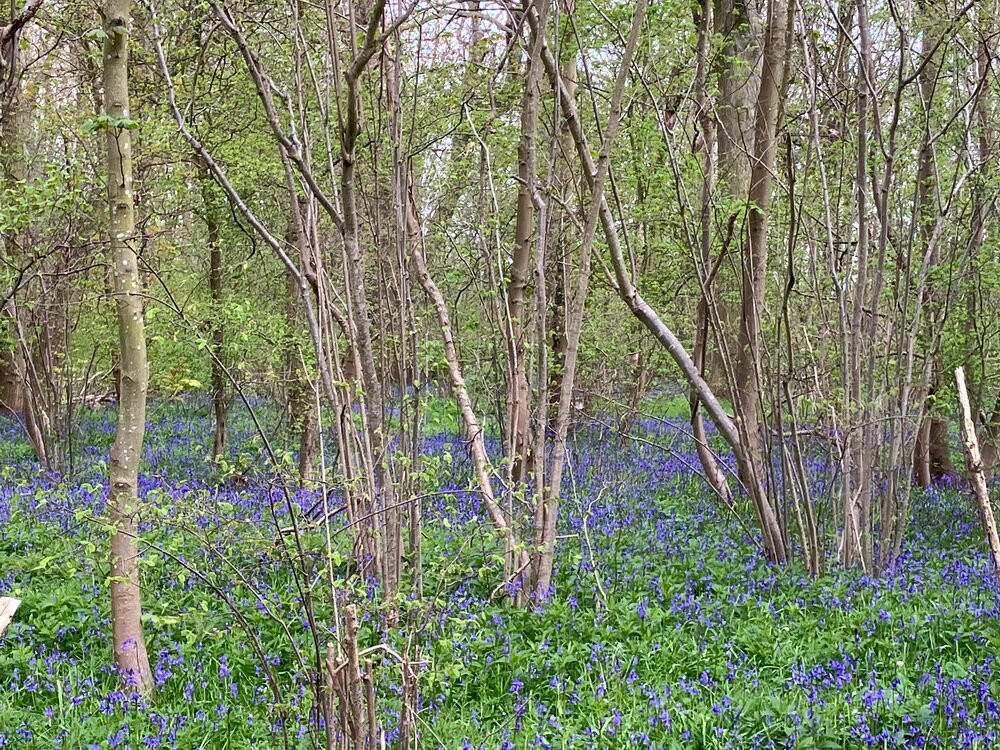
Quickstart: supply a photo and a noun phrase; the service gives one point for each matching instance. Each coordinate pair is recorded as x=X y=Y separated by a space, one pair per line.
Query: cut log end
x=8 y=606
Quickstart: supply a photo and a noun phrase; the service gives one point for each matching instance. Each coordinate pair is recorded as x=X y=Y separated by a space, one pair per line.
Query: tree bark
x=126 y=453
x=981 y=214
x=932 y=457
x=706 y=29
x=754 y=257
x=301 y=404
x=220 y=405
x=855 y=486
x=736 y=21
x=357 y=293
x=990 y=431
x=559 y=234
x=17 y=392
x=517 y=386
x=739 y=80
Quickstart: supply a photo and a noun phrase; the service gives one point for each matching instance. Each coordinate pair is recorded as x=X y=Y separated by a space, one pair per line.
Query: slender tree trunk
x=738 y=24
x=977 y=476
x=126 y=453
x=739 y=80
x=990 y=431
x=754 y=259
x=391 y=543
x=981 y=214
x=706 y=28
x=527 y=167
x=575 y=311
x=517 y=387
x=754 y=269
x=301 y=408
x=220 y=405
x=922 y=455
x=932 y=457
x=474 y=433
x=854 y=485
x=370 y=380
x=17 y=388
x=774 y=544
x=559 y=233
x=302 y=416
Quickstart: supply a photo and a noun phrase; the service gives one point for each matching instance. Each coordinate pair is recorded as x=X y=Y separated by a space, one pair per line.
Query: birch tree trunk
x=123 y=502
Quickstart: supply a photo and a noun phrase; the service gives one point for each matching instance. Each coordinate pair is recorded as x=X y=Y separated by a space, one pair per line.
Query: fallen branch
x=977 y=475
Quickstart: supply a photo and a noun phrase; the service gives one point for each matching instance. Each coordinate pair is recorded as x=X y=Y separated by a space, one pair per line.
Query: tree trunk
x=517 y=386
x=990 y=440
x=559 y=234
x=738 y=80
x=977 y=476
x=713 y=472
x=17 y=393
x=855 y=483
x=939 y=450
x=922 y=455
x=754 y=255
x=773 y=541
x=577 y=305
x=220 y=405
x=474 y=433
x=736 y=21
x=932 y=457
x=391 y=542
x=981 y=214
x=301 y=404
x=126 y=453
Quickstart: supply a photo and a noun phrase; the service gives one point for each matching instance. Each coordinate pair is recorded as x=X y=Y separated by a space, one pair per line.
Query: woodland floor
x=665 y=628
